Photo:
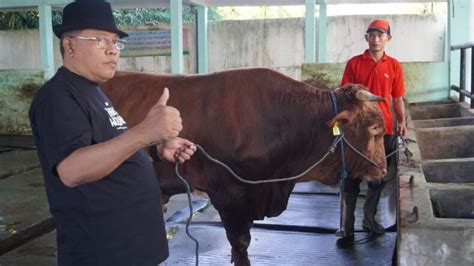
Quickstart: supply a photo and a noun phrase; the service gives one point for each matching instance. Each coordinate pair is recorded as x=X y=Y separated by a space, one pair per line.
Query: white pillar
x=309 y=32
x=322 y=31
x=46 y=39
x=176 y=13
x=203 y=50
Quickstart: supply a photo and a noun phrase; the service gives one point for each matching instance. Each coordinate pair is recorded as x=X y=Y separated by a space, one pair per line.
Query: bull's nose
x=384 y=171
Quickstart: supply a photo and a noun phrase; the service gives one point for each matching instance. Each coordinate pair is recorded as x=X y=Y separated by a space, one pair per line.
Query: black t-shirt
x=117 y=220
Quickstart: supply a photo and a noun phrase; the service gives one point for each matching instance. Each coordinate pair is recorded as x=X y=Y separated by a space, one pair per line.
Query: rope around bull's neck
x=330 y=150
x=254 y=182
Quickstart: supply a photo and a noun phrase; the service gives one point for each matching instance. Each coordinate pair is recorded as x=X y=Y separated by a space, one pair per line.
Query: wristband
x=154 y=154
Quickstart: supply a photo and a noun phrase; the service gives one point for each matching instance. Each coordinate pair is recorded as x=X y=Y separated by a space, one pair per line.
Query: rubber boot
x=370 y=209
x=349 y=201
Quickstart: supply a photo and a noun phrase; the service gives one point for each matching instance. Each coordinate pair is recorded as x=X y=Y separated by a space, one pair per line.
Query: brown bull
x=264 y=125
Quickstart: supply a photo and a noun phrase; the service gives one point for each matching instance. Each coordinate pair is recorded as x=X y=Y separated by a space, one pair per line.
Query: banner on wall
x=151 y=43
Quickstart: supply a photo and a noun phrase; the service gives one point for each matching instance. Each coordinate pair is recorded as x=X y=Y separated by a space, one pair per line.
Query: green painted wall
x=17 y=88
x=424 y=82
x=323 y=76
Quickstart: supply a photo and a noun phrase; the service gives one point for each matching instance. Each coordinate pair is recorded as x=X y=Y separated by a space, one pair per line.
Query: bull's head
x=362 y=123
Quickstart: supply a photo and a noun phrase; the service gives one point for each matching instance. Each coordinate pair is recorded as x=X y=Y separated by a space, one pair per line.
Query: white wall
x=276 y=43
x=19 y=49
x=416 y=38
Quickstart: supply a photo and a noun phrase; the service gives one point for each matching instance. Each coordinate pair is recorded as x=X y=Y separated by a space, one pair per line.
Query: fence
x=462 y=89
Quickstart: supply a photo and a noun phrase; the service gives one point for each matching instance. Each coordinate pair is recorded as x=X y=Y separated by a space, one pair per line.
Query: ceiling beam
x=196 y=2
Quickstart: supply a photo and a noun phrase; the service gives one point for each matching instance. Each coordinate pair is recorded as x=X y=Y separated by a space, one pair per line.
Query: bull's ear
x=365 y=96
x=343 y=118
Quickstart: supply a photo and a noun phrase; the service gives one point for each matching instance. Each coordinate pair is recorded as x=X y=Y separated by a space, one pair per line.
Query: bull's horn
x=365 y=96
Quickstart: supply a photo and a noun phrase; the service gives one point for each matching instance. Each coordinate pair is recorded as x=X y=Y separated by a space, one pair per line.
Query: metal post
x=462 y=74
x=472 y=77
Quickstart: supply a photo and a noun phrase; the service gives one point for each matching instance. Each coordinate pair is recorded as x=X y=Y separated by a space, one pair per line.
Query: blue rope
x=343 y=161
x=334 y=103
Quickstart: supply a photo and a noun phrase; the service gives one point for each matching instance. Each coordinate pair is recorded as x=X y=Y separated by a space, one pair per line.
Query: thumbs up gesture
x=162 y=122
x=164 y=97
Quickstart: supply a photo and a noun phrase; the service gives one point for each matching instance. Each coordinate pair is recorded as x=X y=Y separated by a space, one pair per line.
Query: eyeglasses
x=103 y=42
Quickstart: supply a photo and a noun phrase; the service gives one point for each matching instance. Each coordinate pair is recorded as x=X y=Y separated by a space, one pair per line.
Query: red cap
x=380 y=25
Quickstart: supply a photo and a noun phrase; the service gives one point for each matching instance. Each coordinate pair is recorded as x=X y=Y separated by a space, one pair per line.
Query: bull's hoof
x=345 y=242
x=240 y=260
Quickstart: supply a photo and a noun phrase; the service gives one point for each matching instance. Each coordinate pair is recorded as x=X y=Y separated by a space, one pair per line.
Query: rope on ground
x=188 y=192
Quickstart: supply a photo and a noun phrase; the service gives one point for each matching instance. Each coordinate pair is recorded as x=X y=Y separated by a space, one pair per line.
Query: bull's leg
x=237 y=228
x=232 y=200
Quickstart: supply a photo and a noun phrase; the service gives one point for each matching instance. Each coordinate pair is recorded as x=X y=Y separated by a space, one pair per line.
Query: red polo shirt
x=384 y=78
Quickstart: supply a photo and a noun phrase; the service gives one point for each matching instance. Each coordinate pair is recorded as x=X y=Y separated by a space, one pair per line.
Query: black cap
x=88 y=14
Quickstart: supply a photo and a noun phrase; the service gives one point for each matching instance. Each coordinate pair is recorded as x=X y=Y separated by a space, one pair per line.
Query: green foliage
x=138 y=16
x=258 y=12
x=19 y=20
x=213 y=14
x=24 y=20
x=148 y=16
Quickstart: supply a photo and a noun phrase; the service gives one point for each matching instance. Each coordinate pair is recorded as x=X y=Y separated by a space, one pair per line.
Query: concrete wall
x=416 y=38
x=275 y=43
x=17 y=88
x=20 y=49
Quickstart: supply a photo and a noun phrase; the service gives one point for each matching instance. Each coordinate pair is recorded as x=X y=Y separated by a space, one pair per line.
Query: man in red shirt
x=383 y=76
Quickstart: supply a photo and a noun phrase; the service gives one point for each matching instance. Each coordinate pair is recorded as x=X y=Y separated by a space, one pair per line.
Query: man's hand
x=402 y=130
x=399 y=109
x=176 y=150
x=161 y=123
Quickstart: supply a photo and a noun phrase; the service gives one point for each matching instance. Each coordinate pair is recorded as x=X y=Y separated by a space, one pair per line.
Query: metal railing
x=461 y=89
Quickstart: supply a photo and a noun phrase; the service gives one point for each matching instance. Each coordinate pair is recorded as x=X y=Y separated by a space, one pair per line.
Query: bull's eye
x=374 y=130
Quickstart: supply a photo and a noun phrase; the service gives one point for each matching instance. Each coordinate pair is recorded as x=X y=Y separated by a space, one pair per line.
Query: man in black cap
x=102 y=189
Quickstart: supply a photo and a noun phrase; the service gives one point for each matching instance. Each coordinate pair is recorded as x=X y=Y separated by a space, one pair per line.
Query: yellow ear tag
x=335 y=130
